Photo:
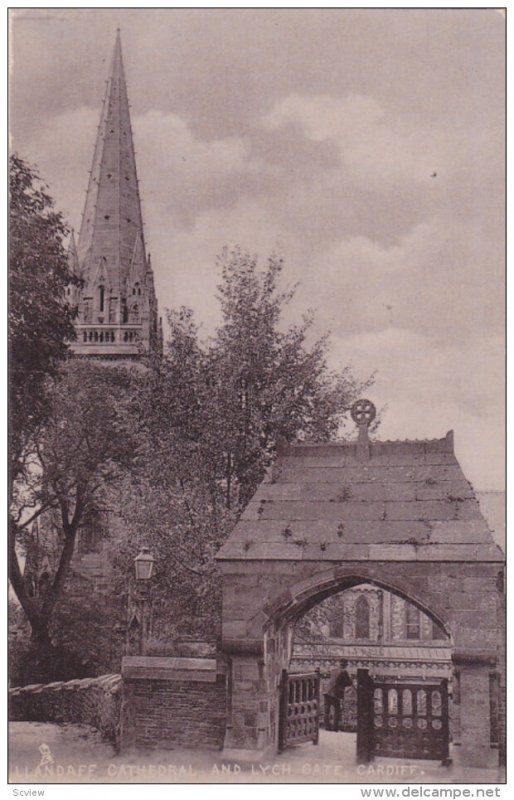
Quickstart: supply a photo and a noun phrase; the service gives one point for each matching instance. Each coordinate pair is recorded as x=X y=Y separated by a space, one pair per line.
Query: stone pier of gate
x=400 y=515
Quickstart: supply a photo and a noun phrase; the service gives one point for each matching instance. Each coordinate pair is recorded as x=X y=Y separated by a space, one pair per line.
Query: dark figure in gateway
x=334 y=696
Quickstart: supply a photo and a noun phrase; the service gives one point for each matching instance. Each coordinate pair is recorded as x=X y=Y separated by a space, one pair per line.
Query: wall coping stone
x=248 y=646
x=173 y=668
x=112 y=680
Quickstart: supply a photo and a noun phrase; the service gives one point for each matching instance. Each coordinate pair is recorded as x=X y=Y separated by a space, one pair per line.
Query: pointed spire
x=110 y=255
x=112 y=220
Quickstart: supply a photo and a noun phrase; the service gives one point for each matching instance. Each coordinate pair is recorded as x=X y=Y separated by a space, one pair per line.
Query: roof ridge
x=351 y=442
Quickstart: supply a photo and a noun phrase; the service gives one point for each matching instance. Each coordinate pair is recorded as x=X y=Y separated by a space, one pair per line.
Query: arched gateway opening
x=397 y=516
x=398 y=702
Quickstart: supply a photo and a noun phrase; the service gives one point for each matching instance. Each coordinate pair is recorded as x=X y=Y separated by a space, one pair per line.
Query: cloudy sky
x=365 y=145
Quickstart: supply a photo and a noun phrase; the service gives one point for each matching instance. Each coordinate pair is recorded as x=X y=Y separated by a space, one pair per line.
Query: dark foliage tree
x=215 y=412
x=90 y=438
x=40 y=319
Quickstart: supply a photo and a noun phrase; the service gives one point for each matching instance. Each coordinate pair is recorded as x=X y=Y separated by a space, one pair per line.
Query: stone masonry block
x=312 y=582
x=234 y=628
x=460 y=600
x=477 y=584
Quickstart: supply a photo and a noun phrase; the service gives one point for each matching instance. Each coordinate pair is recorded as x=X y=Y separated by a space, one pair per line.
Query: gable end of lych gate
x=402 y=501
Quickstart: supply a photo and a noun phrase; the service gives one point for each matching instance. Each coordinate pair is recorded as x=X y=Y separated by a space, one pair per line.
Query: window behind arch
x=101 y=290
x=337 y=626
x=412 y=622
x=362 y=618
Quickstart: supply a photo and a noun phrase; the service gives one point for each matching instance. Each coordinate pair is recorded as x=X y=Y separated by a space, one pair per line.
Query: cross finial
x=363 y=413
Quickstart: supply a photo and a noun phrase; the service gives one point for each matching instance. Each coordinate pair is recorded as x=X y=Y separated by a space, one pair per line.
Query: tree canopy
x=216 y=410
x=40 y=319
x=89 y=442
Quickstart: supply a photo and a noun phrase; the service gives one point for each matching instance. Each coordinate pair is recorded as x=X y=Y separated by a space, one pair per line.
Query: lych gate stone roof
x=492 y=504
x=346 y=501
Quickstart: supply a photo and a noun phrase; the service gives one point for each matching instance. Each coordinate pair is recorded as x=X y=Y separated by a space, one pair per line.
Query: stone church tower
x=117 y=307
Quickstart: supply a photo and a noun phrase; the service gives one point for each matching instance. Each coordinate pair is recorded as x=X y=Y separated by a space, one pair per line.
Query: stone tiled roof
x=399 y=501
x=492 y=505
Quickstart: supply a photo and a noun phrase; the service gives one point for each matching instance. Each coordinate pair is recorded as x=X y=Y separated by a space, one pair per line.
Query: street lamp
x=143 y=564
x=140 y=603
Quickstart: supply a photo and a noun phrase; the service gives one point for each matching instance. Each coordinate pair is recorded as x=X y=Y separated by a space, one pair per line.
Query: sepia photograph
x=256 y=331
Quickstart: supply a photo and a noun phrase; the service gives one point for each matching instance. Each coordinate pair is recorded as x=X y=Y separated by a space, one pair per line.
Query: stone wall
x=90 y=701
x=171 y=702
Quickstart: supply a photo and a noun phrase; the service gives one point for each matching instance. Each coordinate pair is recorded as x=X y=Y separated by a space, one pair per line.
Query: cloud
x=371 y=146
x=445 y=161
x=324 y=117
x=184 y=257
x=62 y=148
x=170 y=142
x=199 y=173
x=437 y=279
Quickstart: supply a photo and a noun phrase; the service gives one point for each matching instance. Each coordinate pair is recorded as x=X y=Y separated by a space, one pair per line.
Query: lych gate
x=402 y=719
x=399 y=515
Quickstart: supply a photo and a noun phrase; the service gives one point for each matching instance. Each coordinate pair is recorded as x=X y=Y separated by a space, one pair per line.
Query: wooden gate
x=402 y=719
x=299 y=709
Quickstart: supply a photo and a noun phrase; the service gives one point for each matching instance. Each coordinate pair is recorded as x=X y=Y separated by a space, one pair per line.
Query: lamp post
x=140 y=603
x=143 y=564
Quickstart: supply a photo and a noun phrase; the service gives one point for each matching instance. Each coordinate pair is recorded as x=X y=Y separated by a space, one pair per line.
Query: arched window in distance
x=362 y=618
x=337 y=626
x=392 y=701
x=101 y=290
x=412 y=620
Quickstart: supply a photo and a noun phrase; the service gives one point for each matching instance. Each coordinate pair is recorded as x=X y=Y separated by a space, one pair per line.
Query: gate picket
x=299 y=708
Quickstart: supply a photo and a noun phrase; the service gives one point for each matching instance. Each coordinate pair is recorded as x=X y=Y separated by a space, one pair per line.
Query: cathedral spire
x=112 y=213
x=111 y=247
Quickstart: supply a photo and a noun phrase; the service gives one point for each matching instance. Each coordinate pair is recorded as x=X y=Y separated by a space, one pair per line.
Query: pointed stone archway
x=400 y=515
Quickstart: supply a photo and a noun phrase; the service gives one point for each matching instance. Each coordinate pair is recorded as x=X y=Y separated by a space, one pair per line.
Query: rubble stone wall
x=89 y=701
